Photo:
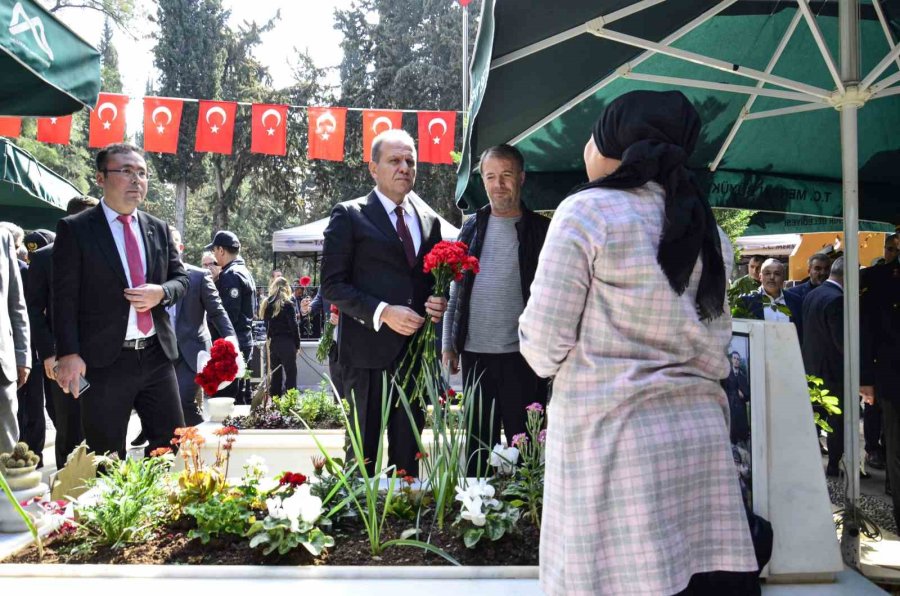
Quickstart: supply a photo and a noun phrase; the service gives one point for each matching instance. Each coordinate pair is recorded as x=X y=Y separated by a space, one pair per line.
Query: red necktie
x=136 y=270
x=405 y=238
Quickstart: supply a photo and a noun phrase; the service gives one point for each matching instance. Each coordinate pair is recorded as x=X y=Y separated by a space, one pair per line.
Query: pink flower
x=519 y=440
x=542 y=436
x=535 y=407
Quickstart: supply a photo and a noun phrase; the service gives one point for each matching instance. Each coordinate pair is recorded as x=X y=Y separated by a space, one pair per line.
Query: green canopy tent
x=45 y=68
x=800 y=102
x=31 y=195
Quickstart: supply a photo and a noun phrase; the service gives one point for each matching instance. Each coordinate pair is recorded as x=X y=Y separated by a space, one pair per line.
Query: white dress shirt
x=412 y=224
x=118 y=233
x=771 y=314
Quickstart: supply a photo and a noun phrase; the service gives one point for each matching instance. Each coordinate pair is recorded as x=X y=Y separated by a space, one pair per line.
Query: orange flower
x=225 y=431
x=160 y=451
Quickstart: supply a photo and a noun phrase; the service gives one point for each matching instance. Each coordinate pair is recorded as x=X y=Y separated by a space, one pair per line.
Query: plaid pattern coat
x=641 y=490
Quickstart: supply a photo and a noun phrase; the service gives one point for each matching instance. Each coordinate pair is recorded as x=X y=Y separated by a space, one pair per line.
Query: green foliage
x=277 y=535
x=218 y=516
x=482 y=515
x=316 y=407
x=822 y=398
x=734 y=223
x=130 y=504
x=527 y=487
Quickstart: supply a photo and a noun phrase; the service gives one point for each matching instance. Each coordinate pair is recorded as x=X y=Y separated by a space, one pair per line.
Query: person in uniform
x=238 y=292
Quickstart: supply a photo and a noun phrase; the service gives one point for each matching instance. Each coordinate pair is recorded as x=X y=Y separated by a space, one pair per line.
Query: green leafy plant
x=822 y=400
x=130 y=502
x=199 y=481
x=363 y=488
x=527 y=487
x=482 y=515
x=218 y=516
x=291 y=522
x=317 y=407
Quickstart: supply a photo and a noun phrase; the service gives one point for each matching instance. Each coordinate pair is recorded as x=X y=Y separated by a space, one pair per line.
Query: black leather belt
x=140 y=343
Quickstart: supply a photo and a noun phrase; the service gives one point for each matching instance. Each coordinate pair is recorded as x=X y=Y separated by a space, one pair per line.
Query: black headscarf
x=654 y=133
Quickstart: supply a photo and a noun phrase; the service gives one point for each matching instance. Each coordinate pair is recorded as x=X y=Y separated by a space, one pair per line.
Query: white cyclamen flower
x=275 y=508
x=257 y=464
x=504 y=459
x=476 y=517
x=302 y=506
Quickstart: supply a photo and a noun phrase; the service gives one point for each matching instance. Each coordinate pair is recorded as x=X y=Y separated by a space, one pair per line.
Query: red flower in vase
x=222 y=367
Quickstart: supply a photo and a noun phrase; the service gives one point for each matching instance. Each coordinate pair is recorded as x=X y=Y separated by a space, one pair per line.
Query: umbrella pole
x=849 y=44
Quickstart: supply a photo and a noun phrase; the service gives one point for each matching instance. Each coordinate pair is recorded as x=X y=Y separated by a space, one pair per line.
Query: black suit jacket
x=199 y=305
x=363 y=264
x=90 y=312
x=37 y=298
x=823 y=336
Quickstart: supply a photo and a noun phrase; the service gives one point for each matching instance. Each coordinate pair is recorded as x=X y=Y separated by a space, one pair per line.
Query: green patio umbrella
x=31 y=195
x=800 y=102
x=45 y=68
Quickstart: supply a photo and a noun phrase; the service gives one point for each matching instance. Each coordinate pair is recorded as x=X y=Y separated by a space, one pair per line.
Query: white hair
x=391 y=134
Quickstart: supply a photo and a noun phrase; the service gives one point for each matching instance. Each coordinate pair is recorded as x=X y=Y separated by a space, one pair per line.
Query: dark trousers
x=336 y=371
x=506 y=385
x=188 y=393
x=30 y=415
x=283 y=352
x=872 y=427
x=67 y=411
x=890 y=410
x=720 y=583
x=366 y=389
x=143 y=380
x=239 y=389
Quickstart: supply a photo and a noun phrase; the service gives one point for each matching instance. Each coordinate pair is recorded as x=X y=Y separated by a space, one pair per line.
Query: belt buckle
x=140 y=343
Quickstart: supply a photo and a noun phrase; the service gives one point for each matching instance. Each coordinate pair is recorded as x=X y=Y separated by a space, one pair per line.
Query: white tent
x=308 y=239
x=770 y=245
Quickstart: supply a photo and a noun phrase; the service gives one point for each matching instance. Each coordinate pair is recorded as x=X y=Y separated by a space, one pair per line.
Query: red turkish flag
x=436 y=136
x=10 y=126
x=326 y=133
x=162 y=119
x=268 y=133
x=376 y=122
x=54 y=130
x=108 y=120
x=215 y=126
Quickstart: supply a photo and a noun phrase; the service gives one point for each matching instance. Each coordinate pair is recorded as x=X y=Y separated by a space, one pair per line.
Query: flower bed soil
x=171 y=546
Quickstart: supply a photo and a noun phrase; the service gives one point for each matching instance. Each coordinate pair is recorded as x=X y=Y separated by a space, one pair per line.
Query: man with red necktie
x=115 y=270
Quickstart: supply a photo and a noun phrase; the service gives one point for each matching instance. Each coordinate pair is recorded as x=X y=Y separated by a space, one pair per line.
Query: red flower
x=334 y=310
x=408 y=479
x=451 y=392
x=221 y=368
x=401 y=472
x=305 y=281
x=420 y=455
x=292 y=479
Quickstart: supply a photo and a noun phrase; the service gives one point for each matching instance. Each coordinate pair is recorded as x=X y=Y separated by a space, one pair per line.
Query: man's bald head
x=772 y=277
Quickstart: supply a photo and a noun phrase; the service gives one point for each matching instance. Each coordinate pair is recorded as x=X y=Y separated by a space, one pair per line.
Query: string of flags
x=215 y=128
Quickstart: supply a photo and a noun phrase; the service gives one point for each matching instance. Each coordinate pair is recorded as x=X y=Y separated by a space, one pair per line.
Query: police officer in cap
x=238 y=293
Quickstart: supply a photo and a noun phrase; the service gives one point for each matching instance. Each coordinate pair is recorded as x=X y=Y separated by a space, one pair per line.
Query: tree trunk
x=180 y=204
x=220 y=209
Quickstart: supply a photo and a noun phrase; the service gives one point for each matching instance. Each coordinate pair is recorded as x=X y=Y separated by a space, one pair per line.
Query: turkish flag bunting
x=326 y=133
x=269 y=129
x=376 y=122
x=54 y=130
x=436 y=135
x=162 y=119
x=10 y=126
x=215 y=126
x=108 y=120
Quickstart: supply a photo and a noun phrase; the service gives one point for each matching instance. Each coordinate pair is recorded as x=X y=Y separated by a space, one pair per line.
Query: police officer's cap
x=225 y=239
x=38 y=239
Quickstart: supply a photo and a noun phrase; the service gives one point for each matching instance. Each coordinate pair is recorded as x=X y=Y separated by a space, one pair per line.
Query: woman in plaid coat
x=628 y=315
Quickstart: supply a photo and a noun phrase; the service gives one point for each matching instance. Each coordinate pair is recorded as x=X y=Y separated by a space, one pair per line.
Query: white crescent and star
x=443 y=123
x=379 y=120
x=216 y=110
x=161 y=110
x=271 y=112
x=321 y=129
x=104 y=106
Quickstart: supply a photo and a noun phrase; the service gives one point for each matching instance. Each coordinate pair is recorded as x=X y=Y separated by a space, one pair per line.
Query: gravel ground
x=877 y=506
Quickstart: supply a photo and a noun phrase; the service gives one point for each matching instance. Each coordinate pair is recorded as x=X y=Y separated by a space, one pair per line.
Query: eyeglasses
x=139 y=174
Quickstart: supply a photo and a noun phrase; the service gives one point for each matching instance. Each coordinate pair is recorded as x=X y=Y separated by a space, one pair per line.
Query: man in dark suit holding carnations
x=115 y=270
x=372 y=269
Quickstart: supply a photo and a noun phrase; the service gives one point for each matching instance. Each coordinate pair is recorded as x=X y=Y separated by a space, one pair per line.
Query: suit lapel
x=151 y=245
x=105 y=241
x=427 y=220
x=374 y=210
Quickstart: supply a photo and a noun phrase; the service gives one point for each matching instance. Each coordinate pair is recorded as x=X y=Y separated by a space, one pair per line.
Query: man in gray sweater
x=481 y=325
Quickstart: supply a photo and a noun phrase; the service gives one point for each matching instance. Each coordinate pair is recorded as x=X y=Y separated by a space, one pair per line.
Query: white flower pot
x=220 y=408
x=22 y=478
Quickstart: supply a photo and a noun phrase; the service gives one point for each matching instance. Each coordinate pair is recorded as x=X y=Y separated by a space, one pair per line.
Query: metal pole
x=849 y=43
x=465 y=61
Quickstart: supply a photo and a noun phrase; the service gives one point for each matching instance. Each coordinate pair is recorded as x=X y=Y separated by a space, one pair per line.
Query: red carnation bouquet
x=220 y=366
x=447 y=261
x=327 y=339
